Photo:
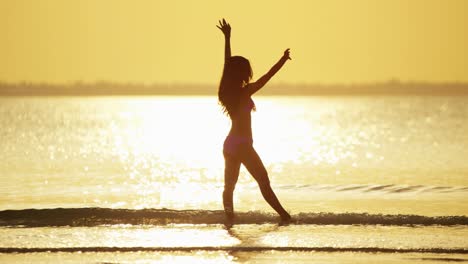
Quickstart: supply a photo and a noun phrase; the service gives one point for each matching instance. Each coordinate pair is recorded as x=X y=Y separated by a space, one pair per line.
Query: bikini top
x=250 y=105
x=246 y=108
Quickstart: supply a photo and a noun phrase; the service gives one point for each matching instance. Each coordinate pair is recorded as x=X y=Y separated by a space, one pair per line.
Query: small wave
x=444 y=259
x=352 y=188
x=385 y=188
x=238 y=249
x=378 y=187
x=406 y=189
x=108 y=216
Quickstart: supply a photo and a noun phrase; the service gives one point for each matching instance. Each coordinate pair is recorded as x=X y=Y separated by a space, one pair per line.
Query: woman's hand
x=225 y=28
x=286 y=55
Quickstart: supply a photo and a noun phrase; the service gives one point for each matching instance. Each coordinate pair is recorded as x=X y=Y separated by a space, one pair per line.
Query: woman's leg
x=255 y=166
x=231 y=174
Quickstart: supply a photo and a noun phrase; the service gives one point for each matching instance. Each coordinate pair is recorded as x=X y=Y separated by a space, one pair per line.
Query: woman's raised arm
x=226 y=29
x=255 y=86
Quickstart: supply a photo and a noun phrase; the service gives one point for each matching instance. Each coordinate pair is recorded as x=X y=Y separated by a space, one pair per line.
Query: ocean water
x=367 y=179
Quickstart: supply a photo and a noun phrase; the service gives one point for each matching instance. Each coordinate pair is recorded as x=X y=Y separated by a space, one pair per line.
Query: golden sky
x=151 y=41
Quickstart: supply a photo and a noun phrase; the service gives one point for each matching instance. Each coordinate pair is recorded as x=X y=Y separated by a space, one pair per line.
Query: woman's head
x=238 y=70
x=237 y=73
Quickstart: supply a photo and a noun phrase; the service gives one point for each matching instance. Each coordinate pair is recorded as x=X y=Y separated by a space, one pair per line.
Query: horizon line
x=143 y=83
x=103 y=88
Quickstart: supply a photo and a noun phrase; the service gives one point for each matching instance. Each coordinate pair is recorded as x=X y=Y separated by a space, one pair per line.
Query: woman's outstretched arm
x=255 y=86
x=226 y=29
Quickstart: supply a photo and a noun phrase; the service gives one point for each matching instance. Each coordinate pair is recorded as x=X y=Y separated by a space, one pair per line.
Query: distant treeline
x=108 y=88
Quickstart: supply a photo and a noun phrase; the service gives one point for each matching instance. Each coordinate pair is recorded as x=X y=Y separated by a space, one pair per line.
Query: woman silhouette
x=235 y=91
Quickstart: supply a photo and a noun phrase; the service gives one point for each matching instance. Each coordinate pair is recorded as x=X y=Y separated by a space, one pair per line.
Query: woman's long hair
x=237 y=73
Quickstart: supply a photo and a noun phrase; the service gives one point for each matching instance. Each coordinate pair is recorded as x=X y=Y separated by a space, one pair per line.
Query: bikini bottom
x=233 y=144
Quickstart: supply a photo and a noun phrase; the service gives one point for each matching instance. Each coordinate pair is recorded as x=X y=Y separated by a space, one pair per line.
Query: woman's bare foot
x=285 y=219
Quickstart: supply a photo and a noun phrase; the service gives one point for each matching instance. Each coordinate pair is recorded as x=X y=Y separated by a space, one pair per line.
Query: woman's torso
x=241 y=119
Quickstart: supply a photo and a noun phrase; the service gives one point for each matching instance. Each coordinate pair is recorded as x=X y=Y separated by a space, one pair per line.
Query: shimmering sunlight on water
x=335 y=154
